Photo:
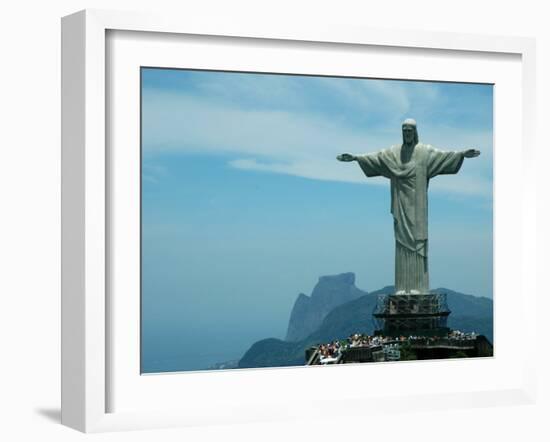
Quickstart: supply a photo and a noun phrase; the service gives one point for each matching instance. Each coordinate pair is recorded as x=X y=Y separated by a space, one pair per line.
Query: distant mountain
x=309 y=311
x=273 y=352
x=468 y=313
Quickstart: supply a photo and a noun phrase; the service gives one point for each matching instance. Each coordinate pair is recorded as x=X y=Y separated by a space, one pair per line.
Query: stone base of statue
x=408 y=314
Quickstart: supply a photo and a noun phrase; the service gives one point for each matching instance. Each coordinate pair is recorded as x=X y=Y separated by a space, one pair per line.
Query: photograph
x=273 y=221
x=292 y=220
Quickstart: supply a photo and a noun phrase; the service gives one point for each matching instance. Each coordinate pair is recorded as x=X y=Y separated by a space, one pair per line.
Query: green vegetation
x=407 y=352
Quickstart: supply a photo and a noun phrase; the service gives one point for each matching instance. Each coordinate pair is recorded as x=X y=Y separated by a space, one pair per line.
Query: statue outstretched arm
x=372 y=164
x=471 y=153
x=346 y=157
x=446 y=162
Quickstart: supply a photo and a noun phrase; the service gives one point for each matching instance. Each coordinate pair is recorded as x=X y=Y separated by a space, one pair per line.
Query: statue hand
x=471 y=153
x=346 y=157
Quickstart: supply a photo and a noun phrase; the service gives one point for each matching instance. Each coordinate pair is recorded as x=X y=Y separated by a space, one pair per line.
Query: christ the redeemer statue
x=410 y=166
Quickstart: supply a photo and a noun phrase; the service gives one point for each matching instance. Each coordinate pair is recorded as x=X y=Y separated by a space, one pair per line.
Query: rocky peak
x=309 y=311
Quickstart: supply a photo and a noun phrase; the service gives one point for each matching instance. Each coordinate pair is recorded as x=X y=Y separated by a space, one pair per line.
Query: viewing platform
x=390 y=349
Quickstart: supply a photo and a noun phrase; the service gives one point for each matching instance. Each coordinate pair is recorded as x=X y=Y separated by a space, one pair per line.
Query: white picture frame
x=87 y=314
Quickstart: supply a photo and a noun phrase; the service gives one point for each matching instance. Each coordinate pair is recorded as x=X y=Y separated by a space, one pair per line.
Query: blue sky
x=244 y=205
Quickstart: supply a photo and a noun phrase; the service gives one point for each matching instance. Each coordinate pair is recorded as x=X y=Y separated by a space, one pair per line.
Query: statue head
x=410 y=134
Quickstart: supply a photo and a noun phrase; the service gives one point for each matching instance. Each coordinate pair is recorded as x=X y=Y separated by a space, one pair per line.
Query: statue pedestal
x=416 y=315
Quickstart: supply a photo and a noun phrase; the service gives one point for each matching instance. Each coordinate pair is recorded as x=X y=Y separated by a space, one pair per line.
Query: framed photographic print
x=249 y=213
x=242 y=201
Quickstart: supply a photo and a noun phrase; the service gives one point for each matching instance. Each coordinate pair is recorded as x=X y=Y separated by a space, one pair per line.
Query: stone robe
x=409 y=205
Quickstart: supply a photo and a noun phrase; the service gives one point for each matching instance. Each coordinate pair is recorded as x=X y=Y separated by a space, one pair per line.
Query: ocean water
x=191 y=352
x=192 y=360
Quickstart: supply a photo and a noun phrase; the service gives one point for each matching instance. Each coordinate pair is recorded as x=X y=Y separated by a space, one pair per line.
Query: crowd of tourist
x=457 y=334
x=329 y=353
x=359 y=340
x=332 y=352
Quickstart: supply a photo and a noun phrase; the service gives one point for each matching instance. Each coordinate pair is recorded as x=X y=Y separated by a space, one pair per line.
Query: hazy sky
x=244 y=205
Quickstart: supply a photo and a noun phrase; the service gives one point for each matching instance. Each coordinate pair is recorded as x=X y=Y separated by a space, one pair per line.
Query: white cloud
x=314 y=169
x=375 y=96
x=299 y=143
